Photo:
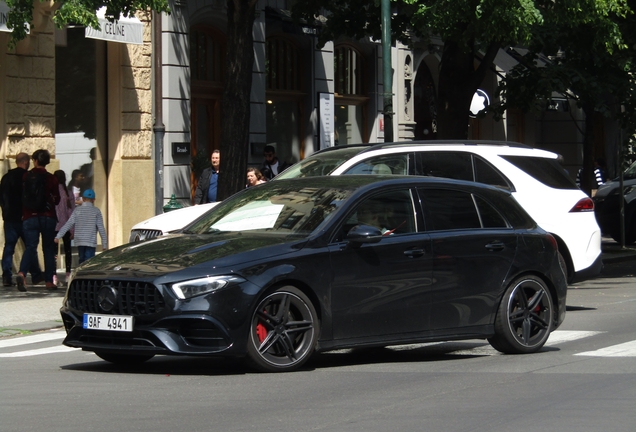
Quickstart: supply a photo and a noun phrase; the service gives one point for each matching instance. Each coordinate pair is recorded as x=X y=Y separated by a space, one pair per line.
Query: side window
x=486 y=173
x=391 y=212
x=396 y=164
x=490 y=217
x=454 y=165
x=447 y=209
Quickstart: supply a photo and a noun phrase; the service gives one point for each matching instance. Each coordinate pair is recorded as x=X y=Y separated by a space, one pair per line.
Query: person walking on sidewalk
x=87 y=220
x=11 y=203
x=64 y=210
x=40 y=195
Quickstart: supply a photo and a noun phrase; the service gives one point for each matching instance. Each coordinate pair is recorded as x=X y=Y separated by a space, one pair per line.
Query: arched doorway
x=424 y=101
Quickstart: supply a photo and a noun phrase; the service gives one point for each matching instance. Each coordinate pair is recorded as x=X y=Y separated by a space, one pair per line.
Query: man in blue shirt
x=209 y=180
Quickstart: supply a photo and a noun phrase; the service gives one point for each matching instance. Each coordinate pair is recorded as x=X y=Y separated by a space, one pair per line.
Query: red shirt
x=52 y=193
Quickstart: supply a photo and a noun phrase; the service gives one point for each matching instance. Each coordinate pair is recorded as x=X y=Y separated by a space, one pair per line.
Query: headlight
x=195 y=287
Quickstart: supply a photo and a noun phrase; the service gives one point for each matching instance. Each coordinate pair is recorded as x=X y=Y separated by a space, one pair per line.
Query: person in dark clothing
x=36 y=223
x=271 y=165
x=11 y=203
x=209 y=181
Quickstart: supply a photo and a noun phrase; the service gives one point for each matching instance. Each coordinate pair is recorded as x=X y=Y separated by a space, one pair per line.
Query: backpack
x=34 y=192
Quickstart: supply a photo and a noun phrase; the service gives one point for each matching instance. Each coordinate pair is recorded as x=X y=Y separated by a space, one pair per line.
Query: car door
x=473 y=250
x=382 y=288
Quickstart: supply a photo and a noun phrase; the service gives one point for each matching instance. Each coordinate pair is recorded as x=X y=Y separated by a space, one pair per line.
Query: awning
x=124 y=30
x=4 y=12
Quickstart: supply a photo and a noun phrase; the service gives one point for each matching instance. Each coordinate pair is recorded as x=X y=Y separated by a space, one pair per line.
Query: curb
x=30 y=328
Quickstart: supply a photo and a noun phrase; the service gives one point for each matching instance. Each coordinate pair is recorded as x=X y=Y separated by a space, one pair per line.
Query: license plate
x=122 y=323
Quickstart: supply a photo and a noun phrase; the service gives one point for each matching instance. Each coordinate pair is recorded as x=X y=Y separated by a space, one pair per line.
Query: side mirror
x=360 y=234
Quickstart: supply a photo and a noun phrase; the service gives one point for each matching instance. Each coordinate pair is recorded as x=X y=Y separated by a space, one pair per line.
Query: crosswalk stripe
x=561 y=336
x=41 y=351
x=24 y=340
x=627 y=349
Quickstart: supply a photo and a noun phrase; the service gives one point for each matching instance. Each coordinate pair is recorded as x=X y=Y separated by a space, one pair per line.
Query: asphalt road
x=584 y=379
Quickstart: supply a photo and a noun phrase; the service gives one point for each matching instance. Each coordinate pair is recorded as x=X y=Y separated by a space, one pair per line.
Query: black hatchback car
x=292 y=267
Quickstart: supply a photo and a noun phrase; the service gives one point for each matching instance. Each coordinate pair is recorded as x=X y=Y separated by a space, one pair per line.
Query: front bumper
x=186 y=334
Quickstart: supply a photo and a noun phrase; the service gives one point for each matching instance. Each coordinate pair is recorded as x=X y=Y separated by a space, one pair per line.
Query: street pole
x=387 y=74
x=158 y=129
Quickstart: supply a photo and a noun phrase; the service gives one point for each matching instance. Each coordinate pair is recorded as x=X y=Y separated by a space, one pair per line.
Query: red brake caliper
x=261 y=332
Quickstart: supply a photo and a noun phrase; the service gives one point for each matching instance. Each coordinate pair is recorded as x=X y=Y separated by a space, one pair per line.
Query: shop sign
x=124 y=30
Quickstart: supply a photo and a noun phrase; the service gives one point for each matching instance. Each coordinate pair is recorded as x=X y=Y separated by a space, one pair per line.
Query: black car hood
x=176 y=252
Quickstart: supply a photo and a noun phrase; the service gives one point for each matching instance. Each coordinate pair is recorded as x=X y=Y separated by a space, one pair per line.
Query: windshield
x=273 y=208
x=630 y=173
x=320 y=164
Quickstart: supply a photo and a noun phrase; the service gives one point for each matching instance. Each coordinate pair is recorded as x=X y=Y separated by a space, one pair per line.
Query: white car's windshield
x=320 y=164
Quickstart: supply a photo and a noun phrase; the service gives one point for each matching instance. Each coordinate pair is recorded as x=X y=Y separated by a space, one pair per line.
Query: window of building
x=207 y=68
x=350 y=99
x=284 y=98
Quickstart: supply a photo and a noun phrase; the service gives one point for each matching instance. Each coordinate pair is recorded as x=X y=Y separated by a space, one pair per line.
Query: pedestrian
x=600 y=173
x=11 y=203
x=209 y=181
x=75 y=186
x=64 y=210
x=40 y=195
x=254 y=177
x=271 y=165
x=87 y=220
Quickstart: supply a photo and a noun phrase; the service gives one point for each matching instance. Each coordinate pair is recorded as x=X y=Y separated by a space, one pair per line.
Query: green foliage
x=77 y=12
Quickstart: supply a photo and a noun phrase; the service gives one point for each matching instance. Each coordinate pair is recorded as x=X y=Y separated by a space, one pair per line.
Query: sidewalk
x=38 y=308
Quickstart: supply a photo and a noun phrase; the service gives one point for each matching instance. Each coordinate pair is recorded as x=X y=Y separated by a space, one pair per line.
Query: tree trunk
x=458 y=81
x=235 y=106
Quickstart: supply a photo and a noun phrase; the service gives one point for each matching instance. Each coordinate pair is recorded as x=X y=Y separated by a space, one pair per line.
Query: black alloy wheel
x=124 y=359
x=283 y=331
x=525 y=316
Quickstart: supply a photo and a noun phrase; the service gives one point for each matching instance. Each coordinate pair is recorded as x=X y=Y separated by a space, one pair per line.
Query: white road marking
x=24 y=340
x=627 y=349
x=41 y=351
x=561 y=336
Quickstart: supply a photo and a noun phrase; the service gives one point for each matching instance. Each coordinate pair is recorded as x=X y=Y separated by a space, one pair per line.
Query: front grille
x=143 y=234
x=133 y=298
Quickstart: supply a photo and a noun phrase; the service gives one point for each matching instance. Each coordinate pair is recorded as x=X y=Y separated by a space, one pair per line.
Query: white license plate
x=108 y=322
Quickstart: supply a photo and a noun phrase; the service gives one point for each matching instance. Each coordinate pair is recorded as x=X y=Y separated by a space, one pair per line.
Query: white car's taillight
x=584 y=205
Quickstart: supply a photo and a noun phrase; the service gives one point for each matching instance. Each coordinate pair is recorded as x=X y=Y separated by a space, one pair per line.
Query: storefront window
x=349 y=96
x=284 y=98
x=80 y=106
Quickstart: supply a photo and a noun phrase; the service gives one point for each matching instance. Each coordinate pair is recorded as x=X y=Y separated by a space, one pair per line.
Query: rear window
x=547 y=171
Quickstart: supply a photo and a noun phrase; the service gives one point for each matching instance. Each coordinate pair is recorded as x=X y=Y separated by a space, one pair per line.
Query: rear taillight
x=553 y=242
x=584 y=205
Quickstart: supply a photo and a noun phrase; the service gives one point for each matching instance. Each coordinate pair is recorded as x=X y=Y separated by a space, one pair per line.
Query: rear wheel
x=283 y=331
x=524 y=319
x=124 y=359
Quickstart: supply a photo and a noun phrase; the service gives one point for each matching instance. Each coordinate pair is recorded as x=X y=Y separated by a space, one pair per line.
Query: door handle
x=495 y=246
x=414 y=253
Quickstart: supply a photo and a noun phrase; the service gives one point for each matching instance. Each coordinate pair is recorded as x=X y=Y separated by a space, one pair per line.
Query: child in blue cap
x=87 y=220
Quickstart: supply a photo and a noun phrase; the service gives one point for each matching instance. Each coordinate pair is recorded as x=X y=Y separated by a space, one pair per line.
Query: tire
x=124 y=359
x=524 y=318
x=568 y=277
x=283 y=331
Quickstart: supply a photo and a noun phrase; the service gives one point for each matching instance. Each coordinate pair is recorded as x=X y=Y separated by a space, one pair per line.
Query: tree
x=235 y=106
x=78 y=12
x=587 y=58
x=472 y=32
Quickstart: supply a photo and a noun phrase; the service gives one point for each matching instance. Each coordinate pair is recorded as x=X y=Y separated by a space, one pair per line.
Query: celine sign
x=124 y=30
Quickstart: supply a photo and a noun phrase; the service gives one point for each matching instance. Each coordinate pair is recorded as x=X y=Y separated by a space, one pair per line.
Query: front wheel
x=283 y=331
x=525 y=316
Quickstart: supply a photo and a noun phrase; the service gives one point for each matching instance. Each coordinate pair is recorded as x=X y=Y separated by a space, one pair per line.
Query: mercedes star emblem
x=107 y=298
